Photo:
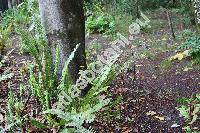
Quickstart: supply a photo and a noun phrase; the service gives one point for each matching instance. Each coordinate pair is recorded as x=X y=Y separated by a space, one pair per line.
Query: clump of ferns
x=78 y=110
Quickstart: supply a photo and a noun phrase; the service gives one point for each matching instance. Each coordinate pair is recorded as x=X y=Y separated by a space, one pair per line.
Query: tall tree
x=65 y=27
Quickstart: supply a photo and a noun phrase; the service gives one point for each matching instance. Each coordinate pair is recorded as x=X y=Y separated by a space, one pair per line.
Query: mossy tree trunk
x=65 y=27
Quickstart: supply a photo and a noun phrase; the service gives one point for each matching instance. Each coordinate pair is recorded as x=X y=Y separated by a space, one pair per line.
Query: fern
x=5 y=76
x=77 y=111
x=47 y=86
x=13 y=113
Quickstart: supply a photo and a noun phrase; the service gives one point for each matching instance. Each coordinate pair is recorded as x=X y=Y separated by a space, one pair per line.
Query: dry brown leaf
x=160 y=118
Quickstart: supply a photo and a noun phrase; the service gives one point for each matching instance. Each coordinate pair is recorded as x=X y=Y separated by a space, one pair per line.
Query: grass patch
x=166 y=64
x=149 y=54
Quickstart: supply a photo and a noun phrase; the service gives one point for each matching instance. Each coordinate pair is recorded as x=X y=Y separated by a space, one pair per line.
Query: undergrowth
x=50 y=90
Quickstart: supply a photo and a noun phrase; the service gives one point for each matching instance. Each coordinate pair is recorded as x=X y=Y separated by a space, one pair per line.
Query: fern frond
x=6 y=76
x=65 y=79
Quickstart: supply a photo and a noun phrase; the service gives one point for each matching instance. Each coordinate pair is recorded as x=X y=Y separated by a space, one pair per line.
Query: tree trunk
x=65 y=27
x=9 y=4
x=170 y=24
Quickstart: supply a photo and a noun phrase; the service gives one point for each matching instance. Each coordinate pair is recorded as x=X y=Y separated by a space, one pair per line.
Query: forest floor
x=148 y=102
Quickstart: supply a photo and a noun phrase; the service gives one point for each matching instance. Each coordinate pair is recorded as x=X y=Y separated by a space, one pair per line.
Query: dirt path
x=17 y=64
x=149 y=103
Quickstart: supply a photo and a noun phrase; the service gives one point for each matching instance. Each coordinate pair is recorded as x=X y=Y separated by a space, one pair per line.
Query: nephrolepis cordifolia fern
x=14 y=110
x=74 y=112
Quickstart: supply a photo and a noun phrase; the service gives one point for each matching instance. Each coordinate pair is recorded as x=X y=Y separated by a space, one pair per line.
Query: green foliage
x=187 y=11
x=166 y=64
x=15 y=106
x=98 y=21
x=185 y=34
x=77 y=110
x=124 y=6
x=17 y=20
x=190 y=111
x=23 y=20
x=44 y=81
x=74 y=112
x=5 y=32
x=47 y=86
x=6 y=74
x=192 y=44
x=44 y=84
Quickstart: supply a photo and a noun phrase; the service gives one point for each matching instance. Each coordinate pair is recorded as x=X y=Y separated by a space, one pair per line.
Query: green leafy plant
x=190 y=110
x=185 y=34
x=4 y=36
x=6 y=74
x=192 y=44
x=49 y=88
x=100 y=23
x=14 y=111
x=80 y=110
x=166 y=64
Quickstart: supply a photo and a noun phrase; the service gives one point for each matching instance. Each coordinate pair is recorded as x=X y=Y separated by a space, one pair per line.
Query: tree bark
x=64 y=23
x=13 y=3
x=9 y=4
x=170 y=24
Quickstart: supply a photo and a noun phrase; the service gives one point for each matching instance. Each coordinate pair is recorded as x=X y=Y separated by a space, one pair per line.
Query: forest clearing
x=121 y=66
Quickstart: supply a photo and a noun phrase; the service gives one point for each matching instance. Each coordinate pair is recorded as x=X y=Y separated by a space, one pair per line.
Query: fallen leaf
x=187 y=69
x=175 y=125
x=160 y=118
x=178 y=56
x=139 y=65
x=154 y=77
x=186 y=52
x=150 y=113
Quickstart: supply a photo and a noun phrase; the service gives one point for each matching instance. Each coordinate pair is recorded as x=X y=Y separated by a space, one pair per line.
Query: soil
x=149 y=101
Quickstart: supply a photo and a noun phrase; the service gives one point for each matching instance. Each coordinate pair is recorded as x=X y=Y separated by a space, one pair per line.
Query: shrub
x=192 y=44
x=100 y=23
x=190 y=110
